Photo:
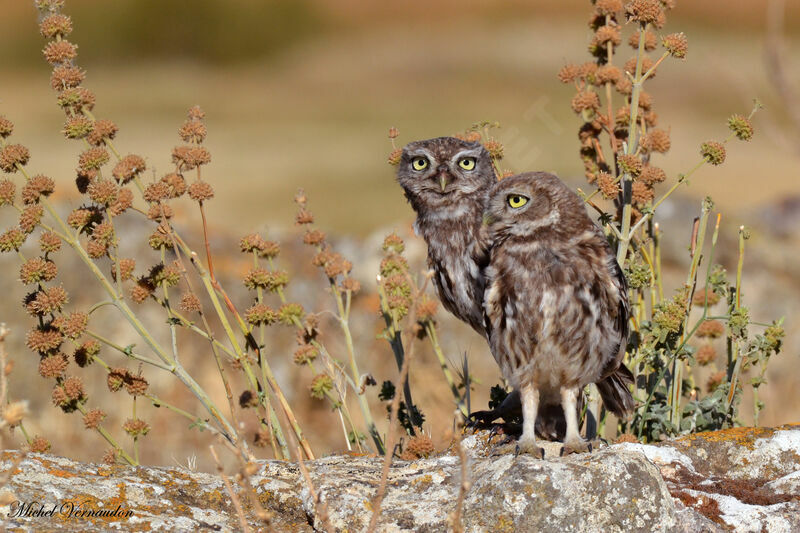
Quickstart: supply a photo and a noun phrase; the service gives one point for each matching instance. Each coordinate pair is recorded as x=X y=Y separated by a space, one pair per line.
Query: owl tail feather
x=615 y=392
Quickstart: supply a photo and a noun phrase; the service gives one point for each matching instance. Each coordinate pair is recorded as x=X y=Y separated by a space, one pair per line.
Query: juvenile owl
x=447 y=181
x=556 y=307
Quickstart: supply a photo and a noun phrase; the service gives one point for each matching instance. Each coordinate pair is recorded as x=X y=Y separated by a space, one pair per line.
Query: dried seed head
x=586 y=100
x=136 y=385
x=195 y=113
x=350 y=285
x=66 y=77
x=47 y=300
x=116 y=378
x=607 y=186
x=393 y=133
x=251 y=243
x=104 y=192
x=605 y=35
x=76 y=99
x=136 y=427
x=80 y=218
x=738 y=124
x=715 y=380
x=96 y=248
x=57 y=52
x=652 y=175
x=646 y=12
x=711 y=328
x=265 y=279
x=647 y=64
x=650 y=41
x=53 y=26
x=110 y=457
x=629 y=164
x=261 y=314
x=303 y=217
x=53 y=366
x=159 y=211
x=305 y=354
x=262 y=438
x=37 y=187
x=77 y=127
x=7 y=192
x=141 y=291
x=6 y=127
x=395 y=156
x=190 y=303
x=169 y=275
x=160 y=237
x=656 y=140
x=189 y=157
x=12 y=155
x=641 y=193
x=393 y=244
x=93 y=418
x=248 y=399
x=12 y=240
x=288 y=313
x=705 y=355
x=128 y=168
x=608 y=7
x=193 y=131
x=126 y=268
x=418 y=447
x=15 y=412
x=676 y=44
x=201 y=191
x=645 y=100
x=494 y=148
x=608 y=74
x=93 y=158
x=75 y=325
x=43 y=339
x=36 y=270
x=569 y=73
x=705 y=296
x=321 y=385
x=426 y=308
x=175 y=183
x=103 y=130
x=73 y=388
x=713 y=152
x=156 y=192
x=123 y=203
x=393 y=265
x=624 y=86
x=49 y=242
x=270 y=250
x=85 y=353
x=39 y=445
x=30 y=218
x=651 y=119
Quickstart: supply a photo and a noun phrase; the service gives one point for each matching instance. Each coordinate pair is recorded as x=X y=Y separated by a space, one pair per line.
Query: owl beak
x=443 y=181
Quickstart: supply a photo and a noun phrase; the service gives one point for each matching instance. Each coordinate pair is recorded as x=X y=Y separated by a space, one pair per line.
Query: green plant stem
x=737 y=302
x=109 y=439
x=430 y=331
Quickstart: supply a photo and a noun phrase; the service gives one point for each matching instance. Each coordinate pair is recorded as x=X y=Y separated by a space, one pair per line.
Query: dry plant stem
x=430 y=330
x=390 y=434
x=738 y=361
x=3 y=377
x=109 y=439
x=320 y=509
x=698 y=239
x=234 y=497
x=630 y=148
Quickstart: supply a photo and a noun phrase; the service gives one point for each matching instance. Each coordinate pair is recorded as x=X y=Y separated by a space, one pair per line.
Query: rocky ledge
x=743 y=479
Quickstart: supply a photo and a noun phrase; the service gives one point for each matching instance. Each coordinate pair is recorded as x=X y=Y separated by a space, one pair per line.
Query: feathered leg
x=573 y=442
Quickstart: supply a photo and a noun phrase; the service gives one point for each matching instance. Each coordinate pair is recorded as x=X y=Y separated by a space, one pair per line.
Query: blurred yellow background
x=301 y=93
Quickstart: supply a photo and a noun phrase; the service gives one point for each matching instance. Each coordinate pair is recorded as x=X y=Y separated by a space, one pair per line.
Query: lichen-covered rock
x=742 y=479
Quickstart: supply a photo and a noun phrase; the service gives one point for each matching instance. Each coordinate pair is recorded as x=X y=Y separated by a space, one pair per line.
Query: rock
x=742 y=479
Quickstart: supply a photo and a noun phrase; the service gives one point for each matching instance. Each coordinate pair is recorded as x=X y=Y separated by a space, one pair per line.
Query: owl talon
x=577 y=446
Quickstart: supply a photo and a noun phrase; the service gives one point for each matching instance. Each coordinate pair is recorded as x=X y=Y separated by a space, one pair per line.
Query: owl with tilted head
x=555 y=303
x=446 y=181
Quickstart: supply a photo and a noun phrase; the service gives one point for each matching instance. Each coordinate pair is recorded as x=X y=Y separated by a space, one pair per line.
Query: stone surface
x=742 y=479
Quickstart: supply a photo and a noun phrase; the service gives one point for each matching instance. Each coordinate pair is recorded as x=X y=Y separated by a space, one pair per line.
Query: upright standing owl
x=556 y=305
x=447 y=182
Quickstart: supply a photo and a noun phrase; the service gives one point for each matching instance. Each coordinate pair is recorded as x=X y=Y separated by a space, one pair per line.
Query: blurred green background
x=301 y=93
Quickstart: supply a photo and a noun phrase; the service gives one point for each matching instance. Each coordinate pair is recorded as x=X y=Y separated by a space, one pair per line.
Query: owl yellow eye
x=467 y=163
x=516 y=200
x=419 y=163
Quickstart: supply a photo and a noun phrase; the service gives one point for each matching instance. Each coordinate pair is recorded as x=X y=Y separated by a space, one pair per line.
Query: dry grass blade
x=234 y=497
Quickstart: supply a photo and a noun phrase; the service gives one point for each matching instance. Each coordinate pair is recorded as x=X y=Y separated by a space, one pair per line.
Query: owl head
x=534 y=204
x=441 y=172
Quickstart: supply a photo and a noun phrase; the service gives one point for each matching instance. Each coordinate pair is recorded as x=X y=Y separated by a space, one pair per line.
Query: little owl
x=447 y=181
x=556 y=305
